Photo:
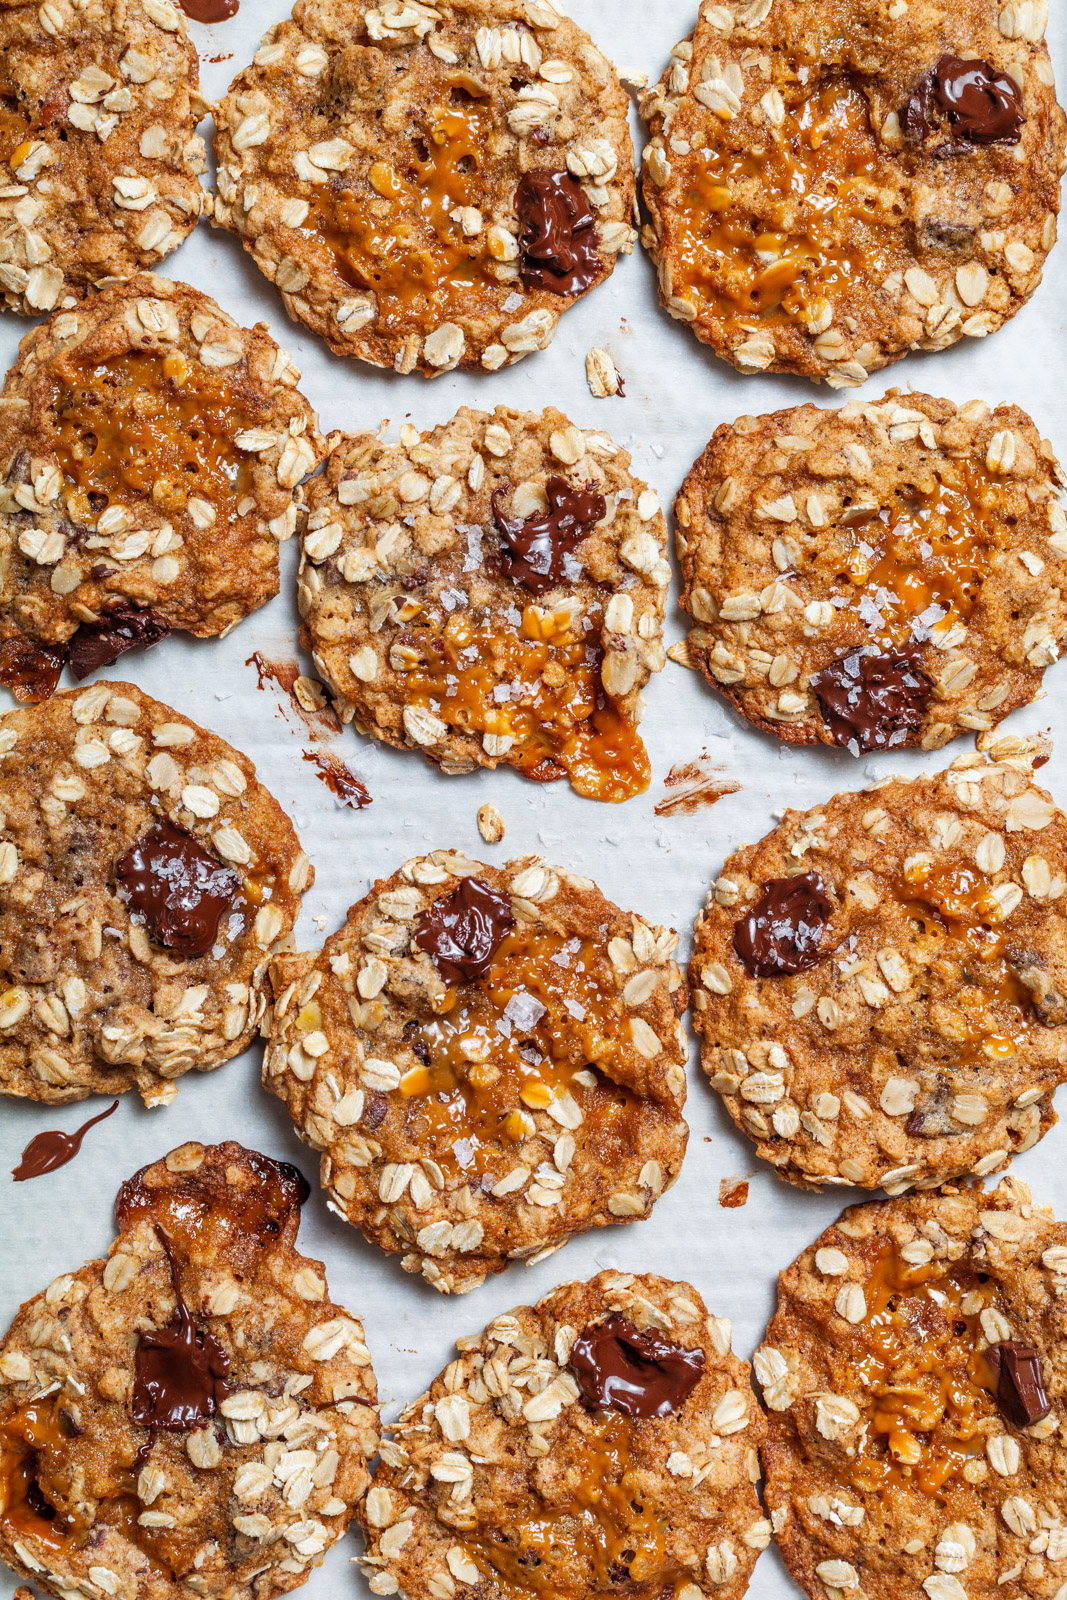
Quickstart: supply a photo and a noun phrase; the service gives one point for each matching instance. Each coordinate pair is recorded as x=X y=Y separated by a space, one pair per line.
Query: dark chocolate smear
x=979 y=104
x=558 y=241
x=51 y=1149
x=122 y=627
x=179 y=1372
x=210 y=11
x=463 y=930
x=181 y=889
x=535 y=551
x=1020 y=1374
x=782 y=934
x=874 y=701
x=641 y=1374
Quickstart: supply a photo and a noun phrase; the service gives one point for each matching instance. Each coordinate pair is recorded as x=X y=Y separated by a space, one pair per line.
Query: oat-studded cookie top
x=429 y=186
x=145 y=879
x=151 y=452
x=915 y=1375
x=834 y=185
x=602 y=1441
x=879 y=983
x=192 y=1417
x=99 y=153
x=877 y=576
x=491 y=593
x=490 y=1060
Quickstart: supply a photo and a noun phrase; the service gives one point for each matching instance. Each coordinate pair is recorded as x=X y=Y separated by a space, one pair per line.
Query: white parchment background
x=676 y=394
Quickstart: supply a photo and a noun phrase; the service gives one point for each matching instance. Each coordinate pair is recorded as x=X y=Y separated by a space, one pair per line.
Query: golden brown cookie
x=490 y=1060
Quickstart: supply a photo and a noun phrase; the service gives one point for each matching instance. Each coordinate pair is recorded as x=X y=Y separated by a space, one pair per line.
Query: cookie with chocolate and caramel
x=428 y=187
x=880 y=985
x=826 y=196
x=491 y=593
x=194 y=1415
x=884 y=575
x=489 y=1059
x=915 y=1375
x=146 y=878
x=151 y=456
x=603 y=1441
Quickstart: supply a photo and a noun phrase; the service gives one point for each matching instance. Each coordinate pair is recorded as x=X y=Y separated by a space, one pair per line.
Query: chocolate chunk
x=641 y=1374
x=463 y=930
x=121 y=628
x=179 y=1372
x=872 y=701
x=558 y=240
x=535 y=551
x=979 y=104
x=782 y=933
x=31 y=671
x=1020 y=1379
x=181 y=889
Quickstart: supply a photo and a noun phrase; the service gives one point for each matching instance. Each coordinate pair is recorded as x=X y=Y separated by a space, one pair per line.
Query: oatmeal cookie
x=193 y=1416
x=146 y=878
x=602 y=1441
x=491 y=593
x=831 y=189
x=879 y=983
x=914 y=1373
x=151 y=454
x=429 y=186
x=490 y=1060
x=882 y=575
x=99 y=103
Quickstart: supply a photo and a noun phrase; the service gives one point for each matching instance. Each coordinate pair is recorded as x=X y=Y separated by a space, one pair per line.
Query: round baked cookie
x=915 y=1374
x=99 y=154
x=193 y=1416
x=603 y=1441
x=490 y=593
x=490 y=1060
x=151 y=454
x=429 y=187
x=888 y=574
x=826 y=196
x=879 y=983
x=146 y=878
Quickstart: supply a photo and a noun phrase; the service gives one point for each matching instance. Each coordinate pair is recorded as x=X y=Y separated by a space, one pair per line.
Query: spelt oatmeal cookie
x=878 y=984
x=603 y=1441
x=491 y=593
x=878 y=576
x=151 y=454
x=146 y=878
x=99 y=155
x=914 y=1374
x=830 y=187
x=193 y=1416
x=490 y=1060
x=429 y=186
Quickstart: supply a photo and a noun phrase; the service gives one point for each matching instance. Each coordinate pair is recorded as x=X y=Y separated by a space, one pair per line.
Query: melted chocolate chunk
x=873 y=702
x=179 y=1372
x=1020 y=1373
x=535 y=551
x=181 y=889
x=121 y=628
x=558 y=241
x=979 y=104
x=782 y=933
x=47 y=1151
x=463 y=930
x=640 y=1374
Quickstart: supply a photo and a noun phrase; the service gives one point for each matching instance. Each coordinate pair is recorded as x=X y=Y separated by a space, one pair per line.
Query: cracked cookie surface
x=98 y=145
x=491 y=593
x=878 y=984
x=489 y=1059
x=602 y=1440
x=151 y=455
x=914 y=1374
x=194 y=1415
x=891 y=183
x=428 y=186
x=879 y=576
x=146 y=878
